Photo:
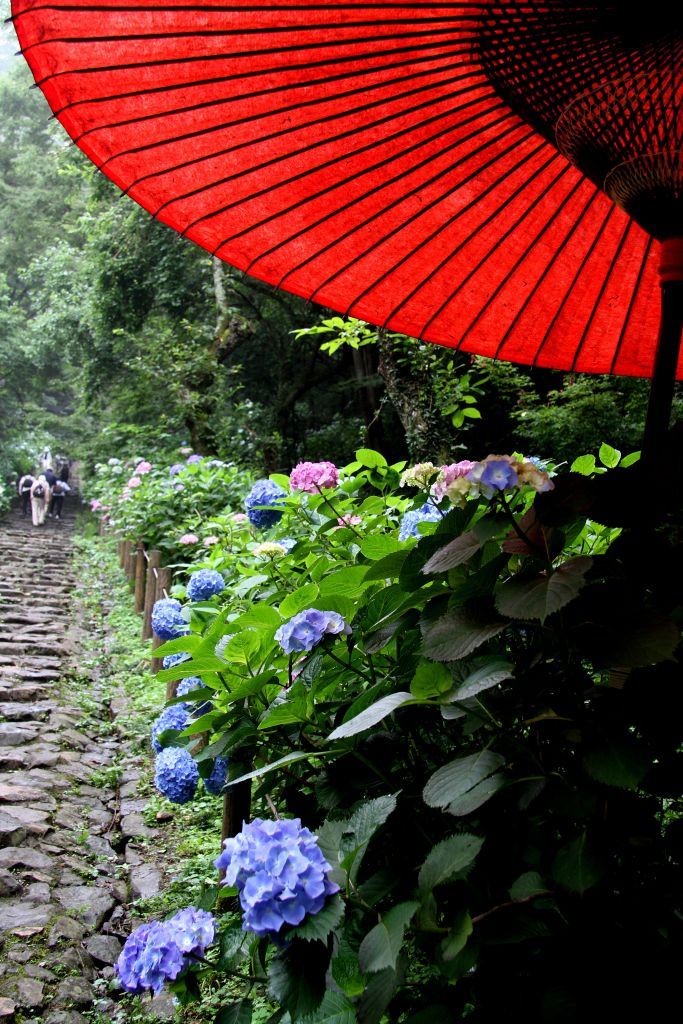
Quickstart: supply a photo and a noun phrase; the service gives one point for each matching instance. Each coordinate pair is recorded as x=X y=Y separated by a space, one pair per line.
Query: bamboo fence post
x=153 y=563
x=163 y=585
x=140 y=578
x=236 y=809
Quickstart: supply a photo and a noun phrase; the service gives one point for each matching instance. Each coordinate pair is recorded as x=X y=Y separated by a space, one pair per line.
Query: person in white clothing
x=40 y=500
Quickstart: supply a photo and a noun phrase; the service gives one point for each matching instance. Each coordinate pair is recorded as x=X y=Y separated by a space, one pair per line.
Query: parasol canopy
x=494 y=177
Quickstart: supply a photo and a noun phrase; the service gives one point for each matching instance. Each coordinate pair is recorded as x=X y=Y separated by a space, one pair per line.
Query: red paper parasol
x=449 y=170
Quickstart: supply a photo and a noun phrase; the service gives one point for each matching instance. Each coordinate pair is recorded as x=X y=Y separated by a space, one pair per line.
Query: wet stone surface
x=63 y=866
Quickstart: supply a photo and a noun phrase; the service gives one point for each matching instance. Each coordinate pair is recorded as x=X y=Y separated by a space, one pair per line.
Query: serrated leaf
x=617 y=764
x=236 y=1013
x=457 y=634
x=528 y=884
x=455 y=553
x=300 y=599
x=488 y=674
x=576 y=866
x=296 y=977
x=537 y=597
x=347 y=582
x=647 y=640
x=379 y=546
x=456 y=780
x=359 y=829
x=457 y=937
x=585 y=465
x=449 y=858
x=381 y=946
x=609 y=456
x=334 y=1009
x=476 y=796
x=372 y=715
x=280 y=763
x=431 y=679
x=377 y=995
x=387 y=568
x=371 y=459
x=316 y=928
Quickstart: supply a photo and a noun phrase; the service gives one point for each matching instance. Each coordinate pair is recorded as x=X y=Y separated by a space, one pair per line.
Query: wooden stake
x=140 y=568
x=153 y=562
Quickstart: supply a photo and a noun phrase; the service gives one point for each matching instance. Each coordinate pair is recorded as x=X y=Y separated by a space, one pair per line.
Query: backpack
x=27 y=485
x=39 y=491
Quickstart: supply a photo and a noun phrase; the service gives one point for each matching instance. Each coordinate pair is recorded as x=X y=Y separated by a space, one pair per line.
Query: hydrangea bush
x=474 y=713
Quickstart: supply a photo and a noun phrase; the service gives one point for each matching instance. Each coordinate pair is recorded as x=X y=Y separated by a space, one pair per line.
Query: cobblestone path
x=63 y=885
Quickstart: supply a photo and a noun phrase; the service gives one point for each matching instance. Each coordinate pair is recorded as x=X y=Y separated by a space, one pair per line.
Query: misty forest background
x=117 y=337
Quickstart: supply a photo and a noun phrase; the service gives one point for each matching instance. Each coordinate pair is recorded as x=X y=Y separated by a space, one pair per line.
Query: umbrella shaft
x=666 y=362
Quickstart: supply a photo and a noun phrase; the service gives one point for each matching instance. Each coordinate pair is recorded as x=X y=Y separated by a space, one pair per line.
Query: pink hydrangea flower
x=185 y=451
x=95 y=504
x=348 y=520
x=239 y=517
x=189 y=538
x=313 y=476
x=449 y=474
x=134 y=481
x=143 y=467
x=210 y=540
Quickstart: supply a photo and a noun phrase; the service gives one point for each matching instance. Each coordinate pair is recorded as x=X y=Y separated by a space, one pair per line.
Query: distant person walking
x=46 y=459
x=59 y=490
x=51 y=477
x=40 y=499
x=24 y=488
x=64 y=472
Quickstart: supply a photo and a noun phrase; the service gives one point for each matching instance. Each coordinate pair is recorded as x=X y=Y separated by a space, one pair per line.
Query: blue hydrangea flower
x=176 y=774
x=177 y=716
x=191 y=459
x=174 y=659
x=264 y=492
x=193 y=930
x=189 y=684
x=204 y=584
x=280 y=874
x=429 y=513
x=216 y=780
x=499 y=474
x=149 y=958
x=176 y=468
x=160 y=950
x=305 y=630
x=167 y=620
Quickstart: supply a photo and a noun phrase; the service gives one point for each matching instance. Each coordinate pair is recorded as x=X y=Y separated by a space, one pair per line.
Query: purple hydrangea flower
x=160 y=950
x=498 y=474
x=193 y=930
x=428 y=513
x=305 y=630
x=177 y=716
x=270 y=494
x=174 y=659
x=149 y=958
x=191 y=459
x=204 y=584
x=167 y=621
x=176 y=774
x=280 y=873
x=176 y=468
x=216 y=780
